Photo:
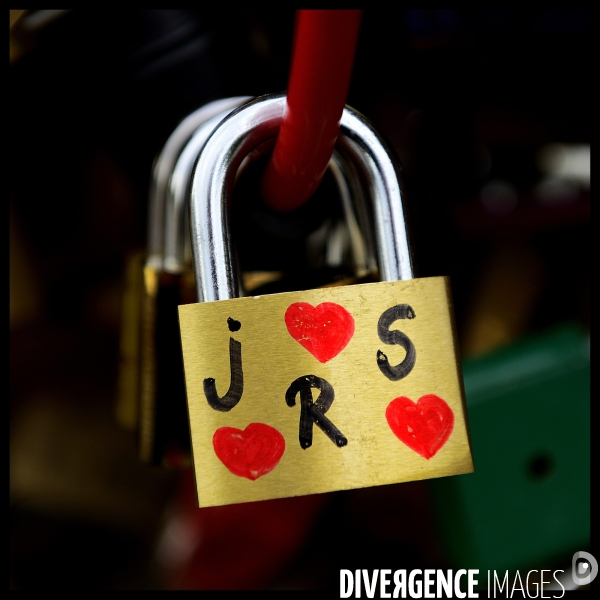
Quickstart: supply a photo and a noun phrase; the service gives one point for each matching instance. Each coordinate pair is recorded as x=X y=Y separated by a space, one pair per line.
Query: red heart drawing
x=423 y=426
x=324 y=330
x=250 y=453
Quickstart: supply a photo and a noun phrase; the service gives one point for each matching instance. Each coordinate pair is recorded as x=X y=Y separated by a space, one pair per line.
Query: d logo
x=585 y=568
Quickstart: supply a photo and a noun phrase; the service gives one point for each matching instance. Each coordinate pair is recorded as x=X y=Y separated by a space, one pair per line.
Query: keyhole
x=540 y=467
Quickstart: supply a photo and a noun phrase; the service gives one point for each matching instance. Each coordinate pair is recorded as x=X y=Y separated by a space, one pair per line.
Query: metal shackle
x=176 y=196
x=163 y=168
x=239 y=134
x=355 y=217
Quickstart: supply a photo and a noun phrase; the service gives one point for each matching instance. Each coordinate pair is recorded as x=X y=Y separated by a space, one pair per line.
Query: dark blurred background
x=490 y=114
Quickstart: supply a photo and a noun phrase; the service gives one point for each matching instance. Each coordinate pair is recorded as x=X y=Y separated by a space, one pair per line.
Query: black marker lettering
x=314 y=412
x=236 y=387
x=233 y=324
x=400 y=311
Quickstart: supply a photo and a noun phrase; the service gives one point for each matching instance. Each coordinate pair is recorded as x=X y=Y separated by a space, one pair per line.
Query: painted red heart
x=423 y=426
x=250 y=453
x=324 y=330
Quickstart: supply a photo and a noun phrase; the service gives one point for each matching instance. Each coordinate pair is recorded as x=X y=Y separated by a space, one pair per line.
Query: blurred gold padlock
x=127 y=405
x=142 y=280
x=168 y=280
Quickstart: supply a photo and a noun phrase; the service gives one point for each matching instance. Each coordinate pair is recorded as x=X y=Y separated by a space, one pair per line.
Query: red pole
x=323 y=56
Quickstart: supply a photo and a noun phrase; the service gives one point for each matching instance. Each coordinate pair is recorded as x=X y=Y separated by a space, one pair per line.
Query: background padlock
x=143 y=264
x=203 y=339
x=163 y=428
x=168 y=280
x=127 y=400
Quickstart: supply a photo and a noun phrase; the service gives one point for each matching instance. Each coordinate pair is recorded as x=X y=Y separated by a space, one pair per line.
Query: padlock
x=141 y=266
x=325 y=389
x=161 y=437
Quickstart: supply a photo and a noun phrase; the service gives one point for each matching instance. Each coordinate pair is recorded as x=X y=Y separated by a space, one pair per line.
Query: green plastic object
x=528 y=502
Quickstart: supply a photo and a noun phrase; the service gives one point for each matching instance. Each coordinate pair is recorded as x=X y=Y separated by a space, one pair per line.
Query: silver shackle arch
x=241 y=132
x=163 y=167
x=176 y=196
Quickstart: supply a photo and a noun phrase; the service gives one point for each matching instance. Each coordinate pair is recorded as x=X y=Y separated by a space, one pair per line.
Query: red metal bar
x=324 y=48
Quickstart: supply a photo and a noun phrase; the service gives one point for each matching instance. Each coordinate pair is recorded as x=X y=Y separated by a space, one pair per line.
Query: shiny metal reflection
x=239 y=134
x=176 y=196
x=163 y=167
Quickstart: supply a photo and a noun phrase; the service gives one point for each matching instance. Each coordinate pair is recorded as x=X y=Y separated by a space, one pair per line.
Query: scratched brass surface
x=272 y=360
